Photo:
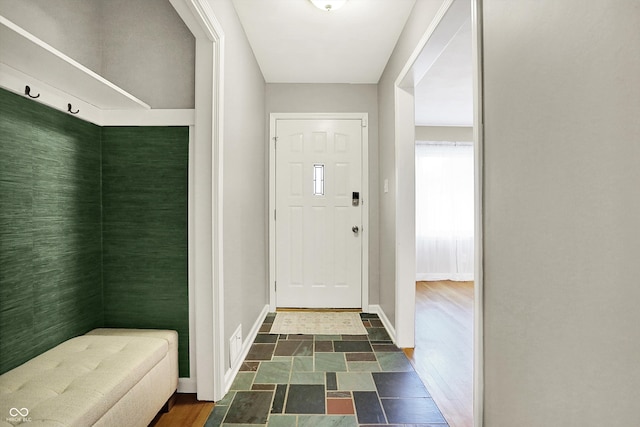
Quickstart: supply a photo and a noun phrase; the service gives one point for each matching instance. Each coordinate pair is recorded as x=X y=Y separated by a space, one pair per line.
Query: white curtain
x=444 y=211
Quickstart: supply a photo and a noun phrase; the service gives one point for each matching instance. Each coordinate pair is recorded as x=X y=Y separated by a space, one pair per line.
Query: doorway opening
x=434 y=107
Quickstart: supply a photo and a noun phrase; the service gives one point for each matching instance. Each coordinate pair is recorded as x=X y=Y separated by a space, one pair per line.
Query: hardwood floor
x=443 y=356
x=187 y=411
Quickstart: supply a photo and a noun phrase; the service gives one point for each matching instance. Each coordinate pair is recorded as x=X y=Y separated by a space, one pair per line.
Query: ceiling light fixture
x=328 y=5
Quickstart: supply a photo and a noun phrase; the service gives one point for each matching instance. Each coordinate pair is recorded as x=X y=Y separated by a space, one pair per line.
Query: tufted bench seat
x=109 y=377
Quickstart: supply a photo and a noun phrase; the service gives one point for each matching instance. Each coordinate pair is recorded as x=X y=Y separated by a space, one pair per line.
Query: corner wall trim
x=231 y=373
x=186 y=385
x=206 y=266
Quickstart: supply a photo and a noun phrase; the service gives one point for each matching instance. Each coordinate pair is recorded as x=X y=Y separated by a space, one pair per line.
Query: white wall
x=420 y=18
x=148 y=51
x=71 y=26
x=340 y=98
x=245 y=178
x=562 y=205
x=140 y=45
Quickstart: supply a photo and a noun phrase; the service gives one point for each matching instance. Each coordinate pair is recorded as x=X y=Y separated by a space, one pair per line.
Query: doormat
x=318 y=323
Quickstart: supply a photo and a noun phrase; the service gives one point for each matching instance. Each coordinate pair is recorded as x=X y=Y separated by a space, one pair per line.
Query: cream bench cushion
x=78 y=382
x=171 y=337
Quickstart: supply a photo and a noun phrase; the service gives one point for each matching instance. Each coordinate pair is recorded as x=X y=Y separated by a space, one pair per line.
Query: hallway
x=317 y=380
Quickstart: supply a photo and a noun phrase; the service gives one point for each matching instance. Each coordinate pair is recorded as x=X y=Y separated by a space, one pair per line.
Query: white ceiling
x=294 y=42
x=444 y=96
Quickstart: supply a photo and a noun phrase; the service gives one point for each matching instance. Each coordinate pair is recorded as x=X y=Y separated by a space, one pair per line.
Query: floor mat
x=318 y=323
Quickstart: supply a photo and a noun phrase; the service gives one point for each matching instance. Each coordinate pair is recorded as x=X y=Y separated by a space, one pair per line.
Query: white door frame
x=206 y=303
x=364 y=199
x=431 y=44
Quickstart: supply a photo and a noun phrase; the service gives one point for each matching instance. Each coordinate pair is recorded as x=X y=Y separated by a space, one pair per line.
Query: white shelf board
x=23 y=51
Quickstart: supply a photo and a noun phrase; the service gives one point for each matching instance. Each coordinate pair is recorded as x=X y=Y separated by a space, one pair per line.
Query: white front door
x=318 y=214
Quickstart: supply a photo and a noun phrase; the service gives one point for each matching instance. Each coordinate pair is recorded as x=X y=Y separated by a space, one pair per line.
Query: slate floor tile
x=249 y=407
x=278 y=399
x=305 y=399
x=249 y=366
x=352 y=346
x=227 y=399
x=361 y=357
x=217 y=416
x=378 y=334
x=325 y=346
x=307 y=378
x=243 y=425
x=412 y=411
x=328 y=337
x=355 y=337
x=385 y=348
x=339 y=394
x=368 y=407
x=294 y=348
x=350 y=381
x=302 y=364
x=326 y=381
x=399 y=384
x=363 y=367
x=300 y=337
x=275 y=372
x=282 y=421
x=266 y=339
x=332 y=382
x=340 y=407
x=263 y=387
x=330 y=362
x=261 y=352
x=265 y=327
x=368 y=316
x=327 y=421
x=397 y=362
x=243 y=381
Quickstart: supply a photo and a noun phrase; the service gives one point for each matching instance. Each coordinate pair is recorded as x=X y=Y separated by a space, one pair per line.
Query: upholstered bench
x=108 y=377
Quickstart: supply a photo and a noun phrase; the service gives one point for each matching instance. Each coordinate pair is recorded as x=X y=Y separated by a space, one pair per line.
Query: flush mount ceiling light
x=328 y=5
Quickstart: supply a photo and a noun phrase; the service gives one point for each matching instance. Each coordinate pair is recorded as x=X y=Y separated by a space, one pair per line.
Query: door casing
x=273 y=118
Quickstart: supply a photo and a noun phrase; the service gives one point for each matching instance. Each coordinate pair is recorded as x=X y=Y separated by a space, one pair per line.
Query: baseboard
x=230 y=375
x=187 y=385
x=377 y=309
x=435 y=277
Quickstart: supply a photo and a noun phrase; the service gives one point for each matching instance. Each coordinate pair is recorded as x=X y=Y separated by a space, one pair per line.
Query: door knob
x=355 y=229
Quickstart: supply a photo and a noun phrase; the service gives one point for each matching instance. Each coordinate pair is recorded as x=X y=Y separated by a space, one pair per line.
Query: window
x=444 y=211
x=318 y=180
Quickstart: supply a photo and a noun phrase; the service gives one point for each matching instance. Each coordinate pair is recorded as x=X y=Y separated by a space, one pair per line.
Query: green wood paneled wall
x=93 y=229
x=50 y=229
x=144 y=199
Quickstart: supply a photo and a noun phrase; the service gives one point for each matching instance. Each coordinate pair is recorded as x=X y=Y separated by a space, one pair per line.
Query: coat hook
x=27 y=91
x=72 y=112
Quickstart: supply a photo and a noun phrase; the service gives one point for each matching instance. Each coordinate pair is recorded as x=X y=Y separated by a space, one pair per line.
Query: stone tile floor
x=326 y=380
